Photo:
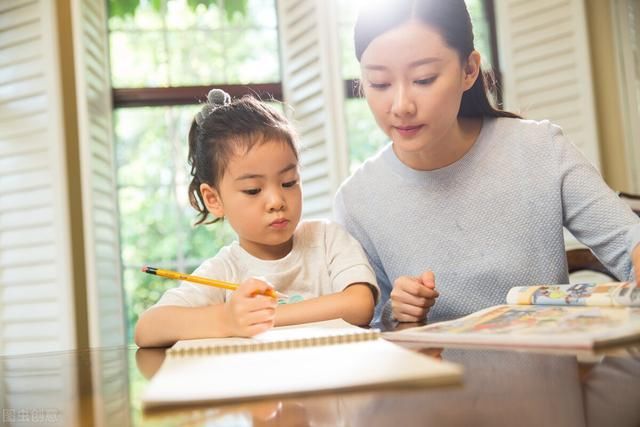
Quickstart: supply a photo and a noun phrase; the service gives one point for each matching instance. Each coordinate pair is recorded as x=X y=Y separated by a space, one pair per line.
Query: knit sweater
x=492 y=220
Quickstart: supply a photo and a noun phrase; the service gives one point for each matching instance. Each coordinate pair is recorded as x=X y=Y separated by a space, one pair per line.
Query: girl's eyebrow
x=412 y=64
x=287 y=168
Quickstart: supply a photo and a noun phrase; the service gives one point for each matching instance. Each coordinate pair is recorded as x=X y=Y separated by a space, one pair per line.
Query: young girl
x=464 y=193
x=244 y=164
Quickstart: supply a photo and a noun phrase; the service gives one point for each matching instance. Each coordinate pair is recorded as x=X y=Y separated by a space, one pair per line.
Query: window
x=179 y=51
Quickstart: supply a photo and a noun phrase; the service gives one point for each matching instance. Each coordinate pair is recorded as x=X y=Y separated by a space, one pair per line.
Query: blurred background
x=97 y=96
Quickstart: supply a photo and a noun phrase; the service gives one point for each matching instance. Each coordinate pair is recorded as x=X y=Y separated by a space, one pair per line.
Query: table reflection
x=103 y=387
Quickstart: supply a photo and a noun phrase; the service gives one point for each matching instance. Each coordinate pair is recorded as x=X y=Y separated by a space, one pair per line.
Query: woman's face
x=413 y=83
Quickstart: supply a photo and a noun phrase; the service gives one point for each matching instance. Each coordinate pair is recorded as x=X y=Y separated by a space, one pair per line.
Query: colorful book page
x=536 y=320
x=580 y=294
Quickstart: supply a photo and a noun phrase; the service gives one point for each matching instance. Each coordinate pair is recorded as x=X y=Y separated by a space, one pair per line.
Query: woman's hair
x=224 y=128
x=449 y=17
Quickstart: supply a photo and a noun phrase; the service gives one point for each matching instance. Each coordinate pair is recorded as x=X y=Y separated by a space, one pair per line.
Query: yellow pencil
x=203 y=280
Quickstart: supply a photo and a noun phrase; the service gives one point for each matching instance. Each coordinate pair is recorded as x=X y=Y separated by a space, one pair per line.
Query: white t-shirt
x=324 y=260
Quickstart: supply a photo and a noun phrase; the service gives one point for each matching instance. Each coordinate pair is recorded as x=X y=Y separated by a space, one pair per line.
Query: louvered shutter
x=312 y=85
x=100 y=215
x=544 y=50
x=36 y=292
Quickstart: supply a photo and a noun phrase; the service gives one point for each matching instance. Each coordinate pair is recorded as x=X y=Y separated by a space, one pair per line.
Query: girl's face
x=413 y=83
x=260 y=195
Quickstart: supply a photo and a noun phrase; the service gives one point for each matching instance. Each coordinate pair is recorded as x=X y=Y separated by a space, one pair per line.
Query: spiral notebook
x=310 y=358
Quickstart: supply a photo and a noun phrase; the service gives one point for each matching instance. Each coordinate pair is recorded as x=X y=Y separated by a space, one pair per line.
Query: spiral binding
x=219 y=349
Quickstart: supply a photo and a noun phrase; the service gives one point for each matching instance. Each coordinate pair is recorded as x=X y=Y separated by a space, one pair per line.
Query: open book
x=582 y=316
x=314 y=357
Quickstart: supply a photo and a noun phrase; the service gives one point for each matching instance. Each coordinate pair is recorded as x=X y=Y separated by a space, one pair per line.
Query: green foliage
x=364 y=136
x=124 y=8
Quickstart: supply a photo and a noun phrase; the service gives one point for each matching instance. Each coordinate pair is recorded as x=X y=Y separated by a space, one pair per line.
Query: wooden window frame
x=190 y=95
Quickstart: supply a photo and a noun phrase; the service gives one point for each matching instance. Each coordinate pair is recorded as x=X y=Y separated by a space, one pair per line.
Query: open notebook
x=315 y=357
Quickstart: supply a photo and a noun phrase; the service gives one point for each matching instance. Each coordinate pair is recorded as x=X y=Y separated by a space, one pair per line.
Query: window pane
x=252 y=56
x=146 y=17
x=196 y=57
x=260 y=13
x=145 y=49
x=481 y=30
x=181 y=16
x=363 y=134
x=179 y=45
x=347 y=14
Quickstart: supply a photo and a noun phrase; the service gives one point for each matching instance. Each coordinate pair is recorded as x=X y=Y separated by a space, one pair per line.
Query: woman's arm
x=354 y=304
x=593 y=212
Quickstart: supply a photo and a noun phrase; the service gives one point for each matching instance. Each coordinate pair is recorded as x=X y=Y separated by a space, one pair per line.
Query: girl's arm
x=354 y=304
x=162 y=326
x=245 y=314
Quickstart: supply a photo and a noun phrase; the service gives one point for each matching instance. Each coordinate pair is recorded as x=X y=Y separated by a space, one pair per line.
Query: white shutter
x=313 y=86
x=36 y=283
x=544 y=50
x=100 y=215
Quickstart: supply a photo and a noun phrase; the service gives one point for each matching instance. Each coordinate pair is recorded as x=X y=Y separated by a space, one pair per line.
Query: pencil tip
x=144 y=269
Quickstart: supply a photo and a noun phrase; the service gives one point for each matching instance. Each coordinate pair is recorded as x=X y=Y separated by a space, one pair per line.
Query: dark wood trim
x=490 y=13
x=584 y=259
x=629 y=195
x=188 y=95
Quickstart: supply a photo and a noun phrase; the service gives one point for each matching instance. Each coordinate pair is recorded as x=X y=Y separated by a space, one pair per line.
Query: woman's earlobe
x=212 y=200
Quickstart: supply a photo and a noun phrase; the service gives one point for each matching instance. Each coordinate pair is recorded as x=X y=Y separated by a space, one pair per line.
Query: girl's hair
x=224 y=128
x=450 y=17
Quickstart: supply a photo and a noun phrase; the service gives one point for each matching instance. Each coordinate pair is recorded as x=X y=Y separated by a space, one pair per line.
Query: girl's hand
x=412 y=297
x=635 y=260
x=248 y=312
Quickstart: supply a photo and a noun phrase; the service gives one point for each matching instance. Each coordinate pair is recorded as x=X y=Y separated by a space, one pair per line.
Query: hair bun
x=218 y=97
x=215 y=98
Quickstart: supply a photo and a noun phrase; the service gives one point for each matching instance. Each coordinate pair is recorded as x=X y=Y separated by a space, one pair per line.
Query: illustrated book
x=580 y=316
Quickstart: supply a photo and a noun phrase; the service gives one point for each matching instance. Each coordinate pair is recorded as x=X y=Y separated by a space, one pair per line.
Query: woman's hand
x=635 y=260
x=248 y=312
x=412 y=297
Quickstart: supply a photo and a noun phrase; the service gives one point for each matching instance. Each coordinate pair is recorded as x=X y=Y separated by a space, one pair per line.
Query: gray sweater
x=492 y=220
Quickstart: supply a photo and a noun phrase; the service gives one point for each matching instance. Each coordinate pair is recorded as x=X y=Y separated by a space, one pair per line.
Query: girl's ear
x=212 y=200
x=472 y=69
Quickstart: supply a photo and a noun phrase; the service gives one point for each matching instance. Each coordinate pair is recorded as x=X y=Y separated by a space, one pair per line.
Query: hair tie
x=215 y=98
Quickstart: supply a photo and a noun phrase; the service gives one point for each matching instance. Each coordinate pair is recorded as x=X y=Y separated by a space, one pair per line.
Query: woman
x=473 y=196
